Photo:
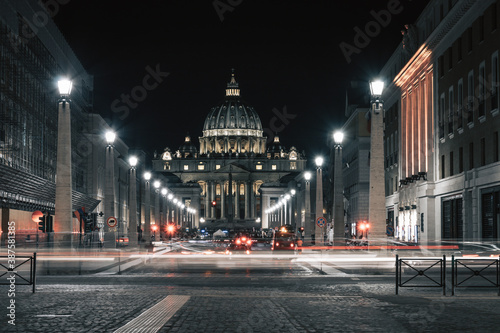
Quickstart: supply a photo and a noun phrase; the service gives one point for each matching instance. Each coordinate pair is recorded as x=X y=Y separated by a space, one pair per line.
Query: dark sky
x=285 y=53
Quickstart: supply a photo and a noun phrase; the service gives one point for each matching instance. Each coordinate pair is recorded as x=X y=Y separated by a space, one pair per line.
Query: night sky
x=286 y=54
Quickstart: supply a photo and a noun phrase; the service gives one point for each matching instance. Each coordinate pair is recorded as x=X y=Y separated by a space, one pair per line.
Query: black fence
x=18 y=270
x=421 y=273
x=475 y=273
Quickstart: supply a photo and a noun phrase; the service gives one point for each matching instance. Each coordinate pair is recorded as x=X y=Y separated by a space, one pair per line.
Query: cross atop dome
x=232 y=87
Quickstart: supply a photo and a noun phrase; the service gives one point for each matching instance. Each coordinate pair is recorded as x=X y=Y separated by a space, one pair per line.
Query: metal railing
x=420 y=273
x=484 y=270
x=12 y=269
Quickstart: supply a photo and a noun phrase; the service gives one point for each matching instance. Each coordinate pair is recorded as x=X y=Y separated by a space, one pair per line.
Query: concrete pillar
x=63 y=218
x=132 y=204
x=237 y=201
x=222 y=200
x=376 y=204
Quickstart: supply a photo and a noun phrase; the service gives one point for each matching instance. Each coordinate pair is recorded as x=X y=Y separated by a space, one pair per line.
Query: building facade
x=441 y=125
x=236 y=174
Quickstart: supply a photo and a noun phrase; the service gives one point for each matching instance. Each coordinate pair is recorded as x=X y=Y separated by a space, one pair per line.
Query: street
x=184 y=288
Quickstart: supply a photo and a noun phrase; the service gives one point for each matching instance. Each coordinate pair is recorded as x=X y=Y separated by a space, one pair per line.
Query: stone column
x=207 y=202
x=147 y=212
x=222 y=201
x=237 y=201
x=63 y=218
x=132 y=204
x=319 y=231
x=338 y=198
x=212 y=198
x=266 y=218
x=157 y=213
x=247 y=200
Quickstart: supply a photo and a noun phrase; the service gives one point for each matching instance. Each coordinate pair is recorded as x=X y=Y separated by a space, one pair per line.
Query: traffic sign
x=111 y=221
x=389 y=230
x=321 y=221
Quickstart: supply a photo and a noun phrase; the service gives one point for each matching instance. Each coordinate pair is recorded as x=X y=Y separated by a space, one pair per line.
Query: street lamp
x=147 y=208
x=132 y=227
x=109 y=189
x=63 y=218
x=110 y=137
x=318 y=235
x=308 y=224
x=156 y=185
x=376 y=203
x=338 y=196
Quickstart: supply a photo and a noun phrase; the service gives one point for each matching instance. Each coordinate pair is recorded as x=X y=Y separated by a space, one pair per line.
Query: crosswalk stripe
x=155 y=317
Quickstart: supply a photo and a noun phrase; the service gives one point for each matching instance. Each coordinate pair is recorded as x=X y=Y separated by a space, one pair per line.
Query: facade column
x=212 y=198
x=237 y=201
x=247 y=200
x=207 y=202
x=222 y=200
x=132 y=204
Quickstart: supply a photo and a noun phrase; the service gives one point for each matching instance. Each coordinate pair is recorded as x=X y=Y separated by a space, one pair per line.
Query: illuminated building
x=234 y=167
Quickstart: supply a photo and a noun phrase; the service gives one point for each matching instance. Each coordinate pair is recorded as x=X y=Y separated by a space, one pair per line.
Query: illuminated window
x=258 y=167
x=186 y=167
x=273 y=167
x=217 y=167
x=293 y=165
x=201 y=167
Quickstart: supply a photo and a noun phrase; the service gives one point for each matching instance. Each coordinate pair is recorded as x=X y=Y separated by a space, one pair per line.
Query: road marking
x=355 y=279
x=53 y=315
x=155 y=317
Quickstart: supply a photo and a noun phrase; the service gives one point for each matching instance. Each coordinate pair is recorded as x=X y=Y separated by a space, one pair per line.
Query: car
x=242 y=243
x=122 y=241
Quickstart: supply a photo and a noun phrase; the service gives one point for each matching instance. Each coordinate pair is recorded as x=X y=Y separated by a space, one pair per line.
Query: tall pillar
x=319 y=231
x=157 y=213
x=266 y=217
x=247 y=200
x=376 y=204
x=222 y=201
x=338 y=197
x=207 y=202
x=63 y=218
x=213 y=185
x=132 y=232
x=308 y=224
x=147 y=212
x=237 y=201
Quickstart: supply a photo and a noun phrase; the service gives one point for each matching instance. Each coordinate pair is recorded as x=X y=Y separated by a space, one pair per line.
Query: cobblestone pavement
x=248 y=304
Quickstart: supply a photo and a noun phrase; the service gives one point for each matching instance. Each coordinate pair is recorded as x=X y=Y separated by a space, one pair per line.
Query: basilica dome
x=232 y=126
x=233 y=116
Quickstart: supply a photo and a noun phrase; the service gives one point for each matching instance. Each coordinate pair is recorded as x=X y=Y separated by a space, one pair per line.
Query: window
x=461 y=159
x=469 y=39
x=495 y=147
x=441 y=66
x=460 y=100
x=451 y=164
x=481 y=28
x=483 y=151
x=459 y=49
x=494 y=81
x=450 y=110
x=258 y=167
x=482 y=91
x=471 y=156
x=441 y=117
x=442 y=166
x=470 y=97
x=201 y=167
x=452 y=218
x=273 y=167
x=186 y=167
x=217 y=166
x=293 y=165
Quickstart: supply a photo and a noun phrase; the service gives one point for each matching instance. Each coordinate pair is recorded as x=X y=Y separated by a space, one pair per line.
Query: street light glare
x=110 y=137
x=170 y=196
x=147 y=175
x=376 y=87
x=293 y=191
x=64 y=86
x=132 y=161
x=307 y=175
x=319 y=161
x=338 y=137
x=164 y=191
x=156 y=184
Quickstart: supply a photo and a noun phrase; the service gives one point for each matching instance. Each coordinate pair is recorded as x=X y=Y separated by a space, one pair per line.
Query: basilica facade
x=234 y=175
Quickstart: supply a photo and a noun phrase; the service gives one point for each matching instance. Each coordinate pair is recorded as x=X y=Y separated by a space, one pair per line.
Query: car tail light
x=249 y=242
x=238 y=241
x=277 y=244
x=244 y=239
x=291 y=245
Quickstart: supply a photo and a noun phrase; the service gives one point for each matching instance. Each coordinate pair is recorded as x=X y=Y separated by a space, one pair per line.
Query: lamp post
x=164 y=210
x=147 y=208
x=63 y=218
x=309 y=226
x=318 y=234
x=132 y=227
x=338 y=196
x=376 y=205
x=156 y=185
x=293 y=207
x=109 y=189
